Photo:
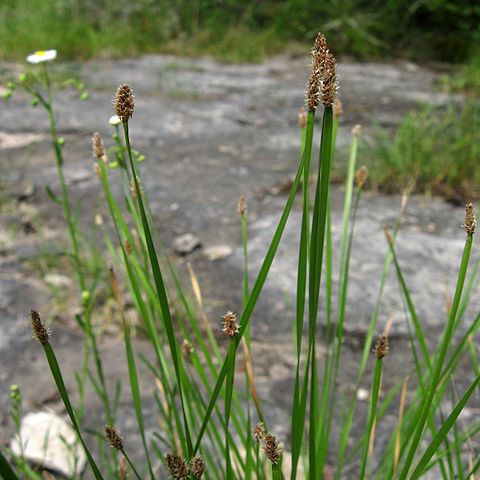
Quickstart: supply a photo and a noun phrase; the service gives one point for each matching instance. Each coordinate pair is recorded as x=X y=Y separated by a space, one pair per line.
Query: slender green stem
x=376 y=385
x=57 y=376
x=252 y=298
x=228 y=406
x=317 y=241
x=65 y=200
x=439 y=360
x=160 y=287
x=132 y=466
x=298 y=408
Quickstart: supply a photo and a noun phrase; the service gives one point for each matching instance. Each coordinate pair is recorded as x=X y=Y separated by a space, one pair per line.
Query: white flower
x=114 y=120
x=42 y=56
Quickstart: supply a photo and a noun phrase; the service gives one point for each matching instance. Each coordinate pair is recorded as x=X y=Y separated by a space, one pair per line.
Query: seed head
x=356 y=130
x=329 y=87
x=127 y=246
x=177 y=466
x=313 y=89
x=381 y=347
x=242 y=206
x=98 y=150
x=272 y=449
x=124 y=103
x=258 y=432
x=136 y=238
x=470 y=221
x=40 y=332
x=197 y=467
x=337 y=108
x=187 y=348
x=361 y=176
x=322 y=85
x=113 y=437
x=230 y=326
x=302 y=118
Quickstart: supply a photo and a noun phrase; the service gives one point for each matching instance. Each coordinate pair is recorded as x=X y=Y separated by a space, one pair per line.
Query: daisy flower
x=42 y=56
x=114 y=120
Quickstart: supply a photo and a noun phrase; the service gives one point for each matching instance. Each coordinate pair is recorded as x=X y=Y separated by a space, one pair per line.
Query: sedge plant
x=205 y=419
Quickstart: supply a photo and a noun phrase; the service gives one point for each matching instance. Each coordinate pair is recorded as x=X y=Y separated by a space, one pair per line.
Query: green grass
x=201 y=407
x=464 y=78
x=242 y=30
x=435 y=149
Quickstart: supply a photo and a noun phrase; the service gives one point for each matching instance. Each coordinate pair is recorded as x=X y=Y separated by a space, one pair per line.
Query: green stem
x=161 y=292
x=65 y=199
x=440 y=359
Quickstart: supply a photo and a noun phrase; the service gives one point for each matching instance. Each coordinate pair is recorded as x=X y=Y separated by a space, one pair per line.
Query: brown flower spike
x=98 y=150
x=242 y=206
x=381 y=348
x=470 y=222
x=272 y=450
x=176 y=466
x=124 y=104
x=258 y=432
x=113 y=437
x=39 y=330
x=197 y=467
x=361 y=176
x=230 y=324
x=322 y=84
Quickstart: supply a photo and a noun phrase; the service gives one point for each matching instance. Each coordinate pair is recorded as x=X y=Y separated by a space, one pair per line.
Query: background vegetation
x=238 y=30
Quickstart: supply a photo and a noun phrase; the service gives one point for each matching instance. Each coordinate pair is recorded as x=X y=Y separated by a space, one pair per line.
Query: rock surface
x=210 y=133
x=47 y=440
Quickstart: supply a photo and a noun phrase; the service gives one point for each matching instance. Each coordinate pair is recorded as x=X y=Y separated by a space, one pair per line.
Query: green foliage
x=195 y=382
x=435 y=149
x=231 y=30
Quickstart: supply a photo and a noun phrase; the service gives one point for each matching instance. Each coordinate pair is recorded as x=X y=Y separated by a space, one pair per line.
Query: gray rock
x=186 y=243
x=47 y=440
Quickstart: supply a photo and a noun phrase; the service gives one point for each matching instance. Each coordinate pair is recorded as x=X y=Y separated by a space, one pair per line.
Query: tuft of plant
x=205 y=416
x=434 y=149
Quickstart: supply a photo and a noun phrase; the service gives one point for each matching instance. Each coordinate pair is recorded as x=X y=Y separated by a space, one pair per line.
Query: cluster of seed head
x=40 y=332
x=302 y=118
x=98 y=150
x=127 y=246
x=271 y=448
x=197 y=467
x=361 y=176
x=230 y=326
x=187 y=348
x=242 y=206
x=124 y=103
x=113 y=437
x=177 y=466
x=259 y=432
x=337 y=108
x=381 y=347
x=470 y=222
x=322 y=84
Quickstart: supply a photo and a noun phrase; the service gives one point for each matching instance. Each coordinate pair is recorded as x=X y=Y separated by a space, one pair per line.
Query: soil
x=211 y=132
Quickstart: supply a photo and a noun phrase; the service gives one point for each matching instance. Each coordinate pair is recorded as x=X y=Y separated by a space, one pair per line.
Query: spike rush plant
x=198 y=438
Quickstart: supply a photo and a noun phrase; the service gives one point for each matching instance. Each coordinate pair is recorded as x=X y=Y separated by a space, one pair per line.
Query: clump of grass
x=196 y=437
x=238 y=31
x=434 y=149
